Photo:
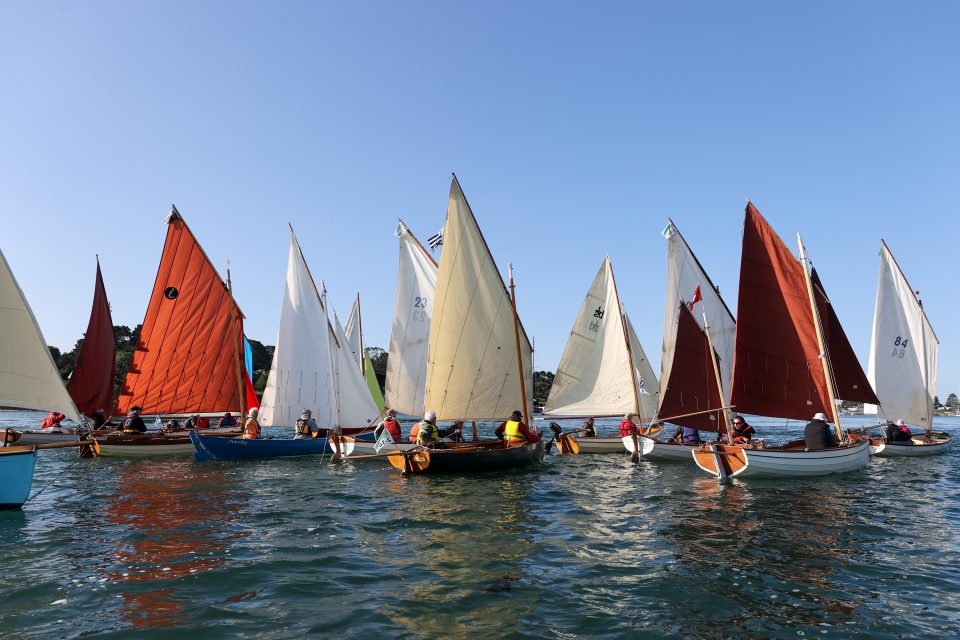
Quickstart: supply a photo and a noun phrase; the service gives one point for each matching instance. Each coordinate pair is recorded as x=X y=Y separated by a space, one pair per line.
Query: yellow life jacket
x=511 y=433
x=427 y=432
x=303 y=428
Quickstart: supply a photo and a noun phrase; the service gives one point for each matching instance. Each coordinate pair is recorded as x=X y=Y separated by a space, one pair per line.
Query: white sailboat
x=903 y=363
x=603 y=371
x=353 y=331
x=29 y=379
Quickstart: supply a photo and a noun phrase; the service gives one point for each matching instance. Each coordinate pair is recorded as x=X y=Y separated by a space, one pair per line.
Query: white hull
x=39 y=437
x=361 y=447
x=918 y=448
x=796 y=462
x=658 y=450
x=613 y=444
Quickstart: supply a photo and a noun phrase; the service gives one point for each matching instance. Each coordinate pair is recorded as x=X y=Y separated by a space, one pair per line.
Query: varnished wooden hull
x=174 y=443
x=493 y=458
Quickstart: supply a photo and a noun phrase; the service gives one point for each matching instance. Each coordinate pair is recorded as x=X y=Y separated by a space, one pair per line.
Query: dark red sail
x=851 y=381
x=776 y=368
x=91 y=383
x=692 y=385
x=187 y=358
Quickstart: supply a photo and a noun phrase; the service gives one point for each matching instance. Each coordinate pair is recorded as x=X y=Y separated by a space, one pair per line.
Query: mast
x=716 y=373
x=626 y=338
x=516 y=333
x=824 y=352
x=407 y=231
x=236 y=343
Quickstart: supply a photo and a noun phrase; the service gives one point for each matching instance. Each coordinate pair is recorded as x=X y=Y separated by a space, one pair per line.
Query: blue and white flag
x=435 y=240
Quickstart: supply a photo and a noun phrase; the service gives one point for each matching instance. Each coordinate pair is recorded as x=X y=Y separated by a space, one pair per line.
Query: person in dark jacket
x=899 y=433
x=742 y=432
x=133 y=423
x=818 y=434
x=99 y=418
x=686 y=435
x=587 y=429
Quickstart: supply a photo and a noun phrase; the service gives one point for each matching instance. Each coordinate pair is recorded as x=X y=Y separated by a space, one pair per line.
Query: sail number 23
x=899 y=347
x=419 y=309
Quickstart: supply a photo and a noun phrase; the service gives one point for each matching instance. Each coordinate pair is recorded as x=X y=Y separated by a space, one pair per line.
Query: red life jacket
x=394 y=428
x=52 y=420
x=203 y=423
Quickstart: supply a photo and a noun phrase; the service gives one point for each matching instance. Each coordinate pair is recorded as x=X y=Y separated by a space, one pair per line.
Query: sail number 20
x=899 y=347
x=419 y=309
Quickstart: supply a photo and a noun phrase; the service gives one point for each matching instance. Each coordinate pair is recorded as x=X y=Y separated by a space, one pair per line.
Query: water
x=599 y=547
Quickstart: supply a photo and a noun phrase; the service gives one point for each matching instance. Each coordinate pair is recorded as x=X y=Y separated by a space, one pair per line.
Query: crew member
x=687 y=436
x=251 y=428
x=391 y=425
x=306 y=426
x=227 y=420
x=899 y=433
x=99 y=418
x=51 y=424
x=133 y=423
x=514 y=431
x=628 y=427
x=818 y=434
x=203 y=423
x=742 y=432
x=428 y=432
x=587 y=429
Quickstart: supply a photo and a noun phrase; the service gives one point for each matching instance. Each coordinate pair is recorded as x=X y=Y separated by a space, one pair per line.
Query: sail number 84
x=899 y=347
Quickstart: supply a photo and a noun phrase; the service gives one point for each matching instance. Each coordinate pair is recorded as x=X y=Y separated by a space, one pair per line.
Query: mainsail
x=647 y=387
x=29 y=378
x=595 y=376
x=407 y=358
x=685 y=277
x=301 y=374
x=903 y=349
x=353 y=332
x=472 y=371
x=186 y=360
x=91 y=383
x=354 y=405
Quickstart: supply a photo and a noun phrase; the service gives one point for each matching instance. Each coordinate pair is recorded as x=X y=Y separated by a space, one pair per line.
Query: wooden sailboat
x=91 y=382
x=479 y=364
x=903 y=363
x=188 y=359
x=313 y=368
x=29 y=379
x=792 y=360
x=603 y=372
x=689 y=394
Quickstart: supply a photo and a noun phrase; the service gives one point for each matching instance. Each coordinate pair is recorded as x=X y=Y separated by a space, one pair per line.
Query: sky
x=575 y=129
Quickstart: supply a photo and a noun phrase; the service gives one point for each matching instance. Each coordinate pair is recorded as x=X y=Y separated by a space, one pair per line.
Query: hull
x=366 y=447
x=612 y=444
x=39 y=437
x=792 y=460
x=16 y=475
x=219 y=448
x=175 y=443
x=660 y=450
x=939 y=443
x=487 y=459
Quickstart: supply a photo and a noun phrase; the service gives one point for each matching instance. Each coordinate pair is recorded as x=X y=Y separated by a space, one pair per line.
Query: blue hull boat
x=214 y=448
x=16 y=475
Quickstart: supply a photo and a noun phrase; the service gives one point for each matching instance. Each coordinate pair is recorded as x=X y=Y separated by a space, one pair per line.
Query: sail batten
x=91 y=383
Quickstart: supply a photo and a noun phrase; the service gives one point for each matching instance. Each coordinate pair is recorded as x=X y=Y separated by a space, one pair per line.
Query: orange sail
x=187 y=358
x=776 y=368
x=91 y=383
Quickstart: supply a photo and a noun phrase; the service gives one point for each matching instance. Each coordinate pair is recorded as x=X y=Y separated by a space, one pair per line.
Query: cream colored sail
x=355 y=406
x=351 y=330
x=903 y=350
x=594 y=377
x=472 y=371
x=684 y=276
x=301 y=375
x=648 y=390
x=407 y=359
x=29 y=379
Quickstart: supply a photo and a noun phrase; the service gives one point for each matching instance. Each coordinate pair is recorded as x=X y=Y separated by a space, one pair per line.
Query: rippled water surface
x=598 y=547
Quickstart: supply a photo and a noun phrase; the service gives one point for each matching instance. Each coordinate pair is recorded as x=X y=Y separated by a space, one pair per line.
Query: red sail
x=692 y=385
x=851 y=381
x=776 y=367
x=91 y=383
x=187 y=359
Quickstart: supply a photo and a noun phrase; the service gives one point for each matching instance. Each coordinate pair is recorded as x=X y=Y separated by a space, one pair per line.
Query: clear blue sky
x=575 y=129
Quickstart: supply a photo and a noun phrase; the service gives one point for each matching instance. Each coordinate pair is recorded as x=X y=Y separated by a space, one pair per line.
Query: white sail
x=472 y=371
x=903 y=350
x=355 y=406
x=407 y=359
x=684 y=276
x=29 y=378
x=301 y=376
x=648 y=390
x=594 y=376
x=351 y=332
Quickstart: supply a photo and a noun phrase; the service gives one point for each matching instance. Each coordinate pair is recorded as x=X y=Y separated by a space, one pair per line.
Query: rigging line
x=44 y=488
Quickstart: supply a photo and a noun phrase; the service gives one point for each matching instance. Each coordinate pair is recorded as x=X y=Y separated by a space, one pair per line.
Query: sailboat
x=689 y=395
x=313 y=368
x=29 y=379
x=353 y=331
x=91 y=382
x=903 y=362
x=189 y=357
x=792 y=360
x=603 y=371
x=479 y=362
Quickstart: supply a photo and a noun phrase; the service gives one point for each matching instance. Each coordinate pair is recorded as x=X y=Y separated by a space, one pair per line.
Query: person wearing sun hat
x=818 y=434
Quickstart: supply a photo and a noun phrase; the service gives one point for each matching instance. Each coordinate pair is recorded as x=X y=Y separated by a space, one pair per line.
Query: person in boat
x=429 y=433
x=818 y=434
x=306 y=426
x=251 y=428
x=133 y=423
x=191 y=422
x=203 y=423
x=389 y=424
x=514 y=431
x=899 y=433
x=628 y=427
x=587 y=429
x=687 y=436
x=51 y=424
x=742 y=432
x=99 y=418
x=227 y=420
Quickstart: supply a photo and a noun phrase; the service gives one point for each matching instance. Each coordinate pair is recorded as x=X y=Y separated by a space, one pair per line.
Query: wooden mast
x=824 y=352
x=716 y=373
x=626 y=337
x=236 y=351
x=516 y=334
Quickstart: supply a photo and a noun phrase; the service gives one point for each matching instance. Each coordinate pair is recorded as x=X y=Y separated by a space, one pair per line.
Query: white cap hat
x=899 y=423
x=430 y=416
x=820 y=416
